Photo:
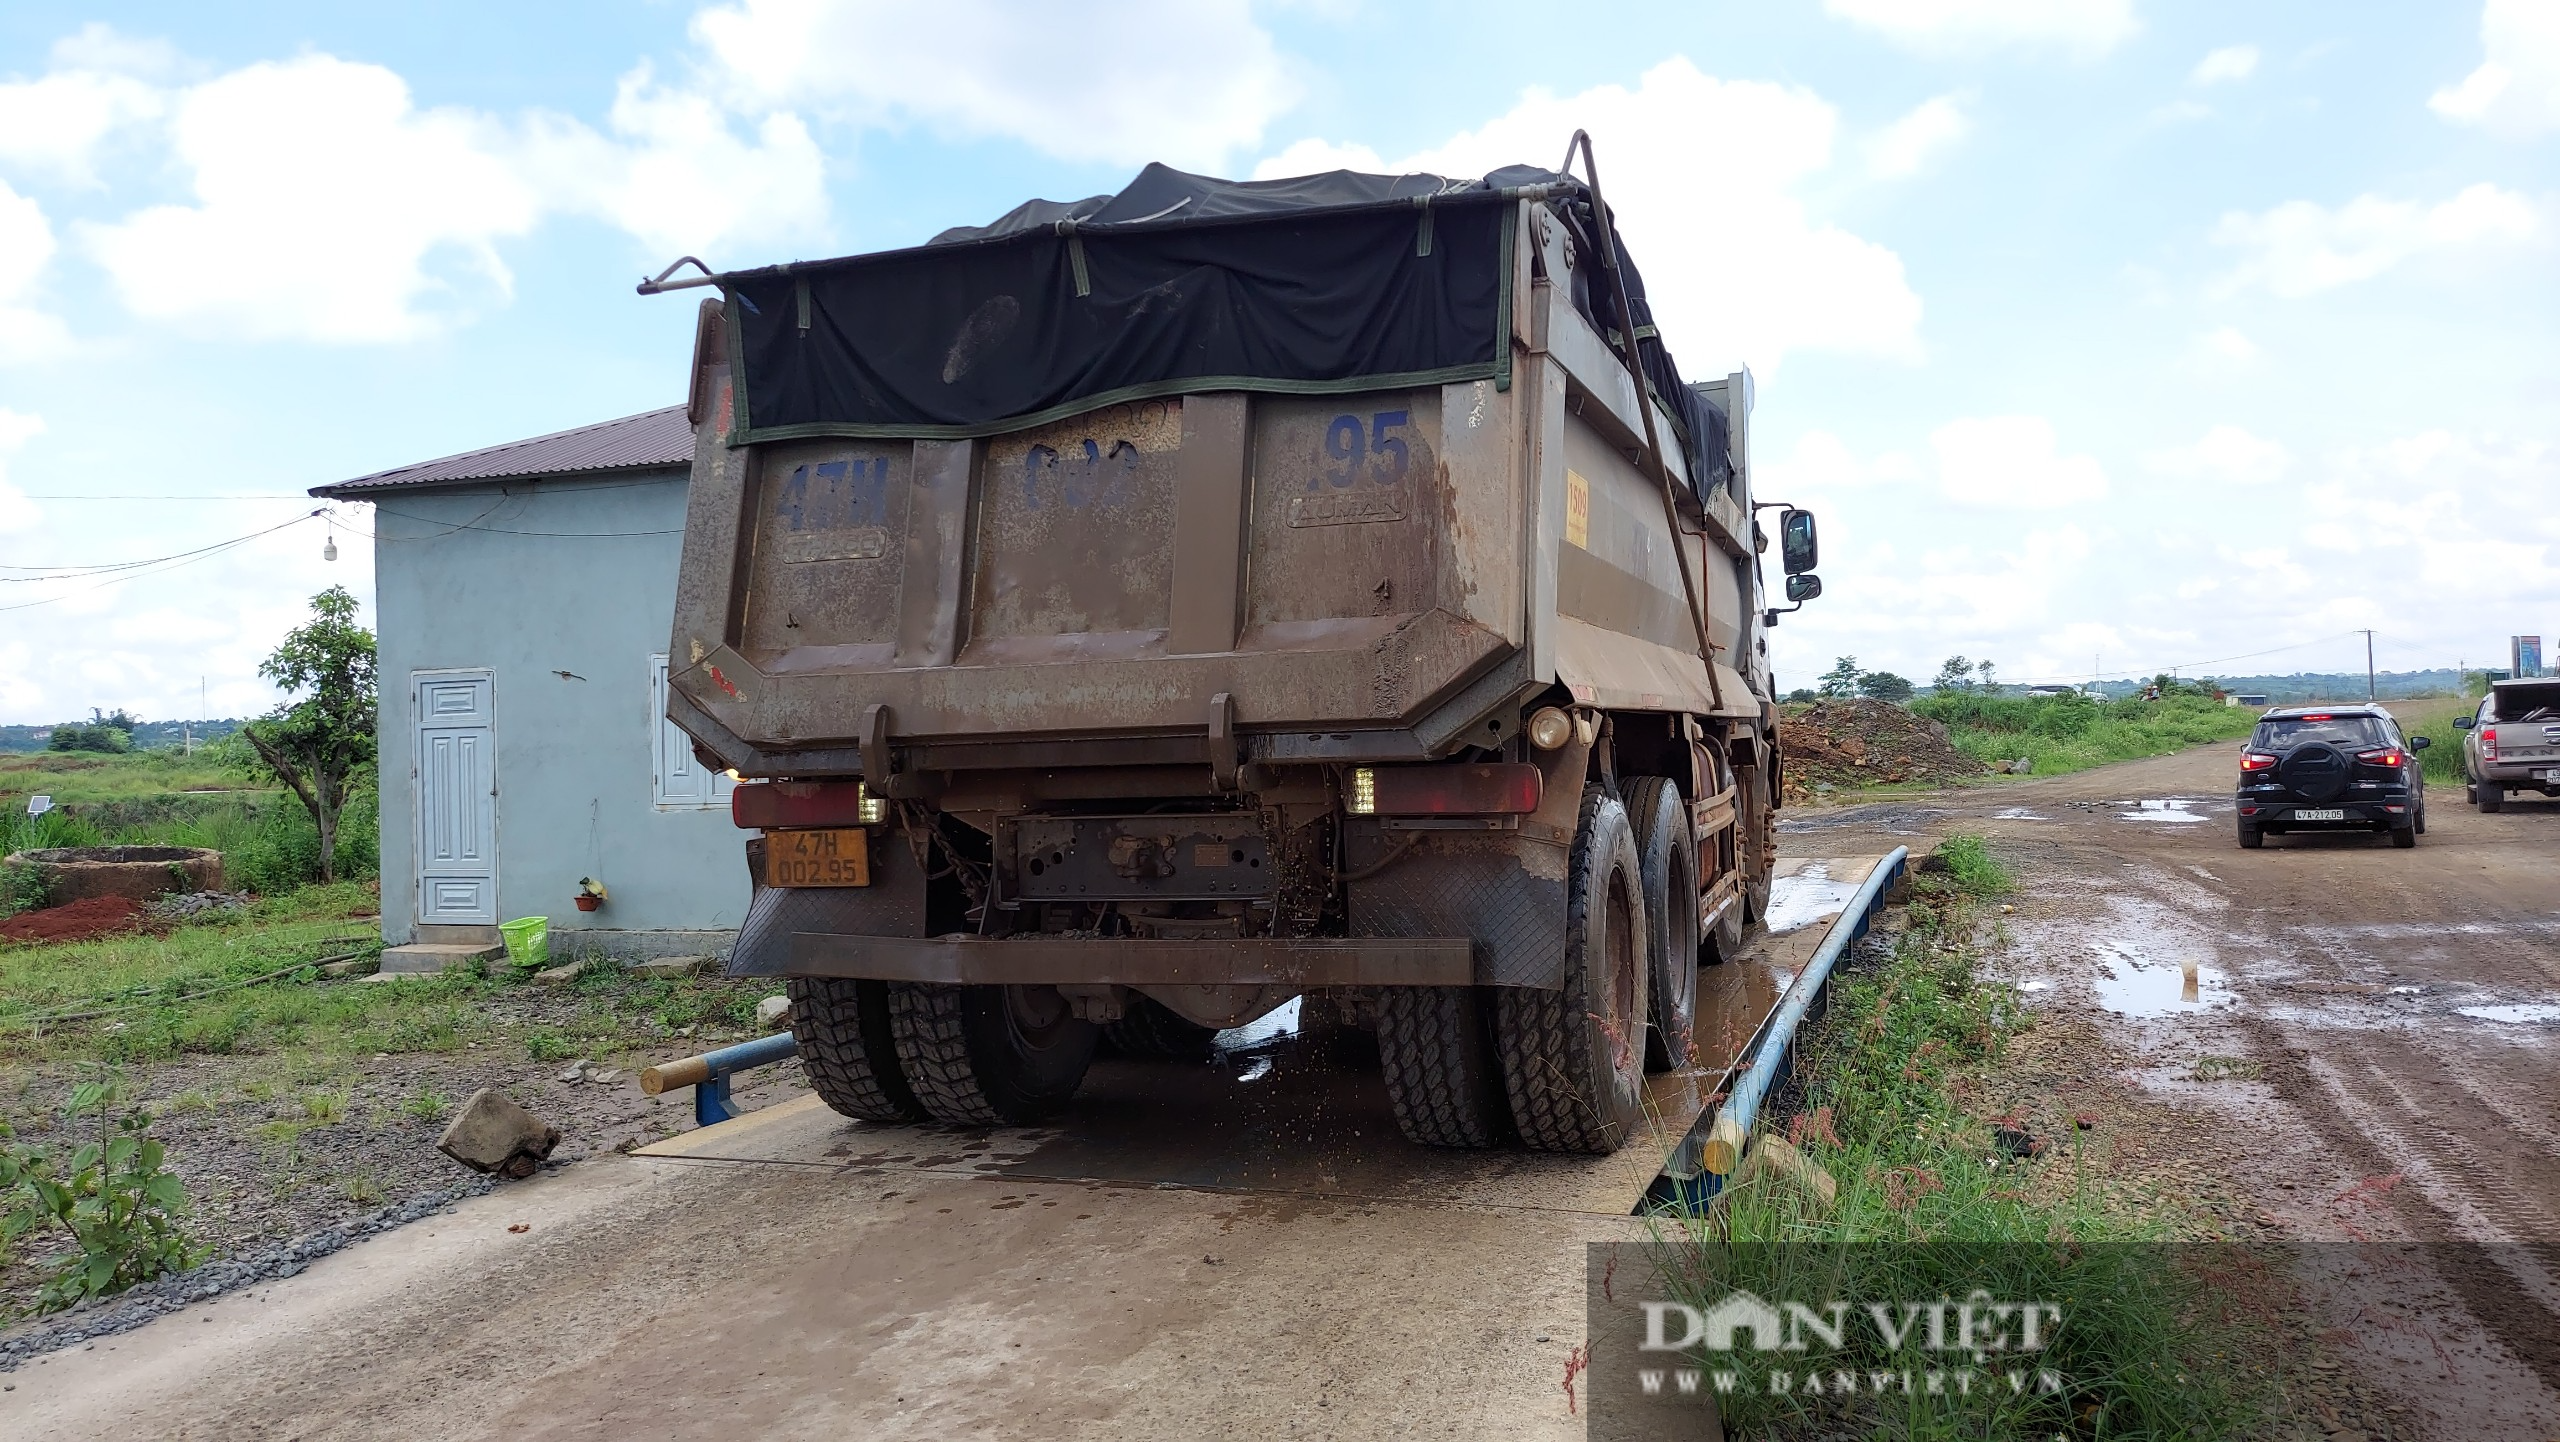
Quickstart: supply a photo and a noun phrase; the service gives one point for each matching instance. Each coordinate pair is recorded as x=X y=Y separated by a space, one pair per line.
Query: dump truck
x=1138 y=613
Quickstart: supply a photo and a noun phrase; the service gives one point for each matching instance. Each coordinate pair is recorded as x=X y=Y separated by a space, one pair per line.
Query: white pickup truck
x=2514 y=741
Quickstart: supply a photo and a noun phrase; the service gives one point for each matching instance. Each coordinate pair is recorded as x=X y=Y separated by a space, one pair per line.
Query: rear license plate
x=2551 y=776
x=2332 y=814
x=836 y=857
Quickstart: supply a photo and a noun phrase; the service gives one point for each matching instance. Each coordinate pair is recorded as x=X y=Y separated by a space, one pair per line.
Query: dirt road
x=2370 y=1054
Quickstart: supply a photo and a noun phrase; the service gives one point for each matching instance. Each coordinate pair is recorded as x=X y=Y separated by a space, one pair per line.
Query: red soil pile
x=1843 y=745
x=79 y=921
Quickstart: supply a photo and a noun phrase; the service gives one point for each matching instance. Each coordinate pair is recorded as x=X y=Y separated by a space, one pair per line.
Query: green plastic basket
x=528 y=941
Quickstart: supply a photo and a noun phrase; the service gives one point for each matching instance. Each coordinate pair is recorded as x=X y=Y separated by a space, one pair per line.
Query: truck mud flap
x=893 y=905
x=1506 y=894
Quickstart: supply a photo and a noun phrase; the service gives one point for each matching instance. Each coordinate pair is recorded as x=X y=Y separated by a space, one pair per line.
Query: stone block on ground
x=561 y=975
x=773 y=1013
x=493 y=1134
x=353 y=966
x=675 y=966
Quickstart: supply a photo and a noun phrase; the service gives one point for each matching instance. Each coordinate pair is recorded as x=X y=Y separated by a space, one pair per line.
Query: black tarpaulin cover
x=1322 y=283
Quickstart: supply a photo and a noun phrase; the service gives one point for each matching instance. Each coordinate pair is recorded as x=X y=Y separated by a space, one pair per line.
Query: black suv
x=2331 y=768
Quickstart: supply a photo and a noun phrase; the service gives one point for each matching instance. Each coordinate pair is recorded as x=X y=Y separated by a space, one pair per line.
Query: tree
x=1884 y=686
x=1956 y=675
x=1990 y=682
x=320 y=742
x=85 y=736
x=1841 y=680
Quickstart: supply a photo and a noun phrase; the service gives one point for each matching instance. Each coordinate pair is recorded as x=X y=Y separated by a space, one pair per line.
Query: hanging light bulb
x=329 y=548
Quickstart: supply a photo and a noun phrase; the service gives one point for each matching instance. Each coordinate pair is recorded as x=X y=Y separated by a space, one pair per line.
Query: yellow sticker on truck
x=1577 y=510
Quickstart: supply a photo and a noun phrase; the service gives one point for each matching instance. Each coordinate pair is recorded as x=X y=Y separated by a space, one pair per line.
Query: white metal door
x=457 y=781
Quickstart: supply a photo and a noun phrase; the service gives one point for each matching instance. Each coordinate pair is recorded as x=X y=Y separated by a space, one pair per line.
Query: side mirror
x=1797 y=547
x=2462 y=723
x=1801 y=589
x=2420 y=743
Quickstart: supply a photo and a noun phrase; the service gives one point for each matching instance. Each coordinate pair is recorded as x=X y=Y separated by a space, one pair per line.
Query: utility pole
x=2368 y=666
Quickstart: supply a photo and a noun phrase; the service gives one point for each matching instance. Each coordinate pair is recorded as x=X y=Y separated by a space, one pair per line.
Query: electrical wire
x=83 y=572
x=2184 y=666
x=136 y=570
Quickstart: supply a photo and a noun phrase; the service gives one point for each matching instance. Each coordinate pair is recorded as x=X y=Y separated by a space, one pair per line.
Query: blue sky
x=2094 y=328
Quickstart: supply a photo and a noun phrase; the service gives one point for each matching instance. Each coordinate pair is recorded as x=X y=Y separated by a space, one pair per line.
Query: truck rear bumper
x=1029 y=961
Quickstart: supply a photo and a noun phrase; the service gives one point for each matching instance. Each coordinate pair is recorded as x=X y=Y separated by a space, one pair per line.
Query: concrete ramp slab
x=1305 y=1115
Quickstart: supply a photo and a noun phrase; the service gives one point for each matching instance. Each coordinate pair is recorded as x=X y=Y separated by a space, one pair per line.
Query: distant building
x=2236 y=699
x=524 y=595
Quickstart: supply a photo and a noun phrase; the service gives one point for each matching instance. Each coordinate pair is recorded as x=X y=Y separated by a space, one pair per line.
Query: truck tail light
x=1509 y=788
x=2256 y=761
x=770 y=804
x=2488 y=743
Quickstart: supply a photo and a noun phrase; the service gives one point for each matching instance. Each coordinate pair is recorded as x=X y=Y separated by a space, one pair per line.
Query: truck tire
x=2488 y=794
x=1442 y=1077
x=1573 y=1059
x=1149 y=1030
x=842 y=1026
x=988 y=1055
x=1756 y=829
x=1667 y=855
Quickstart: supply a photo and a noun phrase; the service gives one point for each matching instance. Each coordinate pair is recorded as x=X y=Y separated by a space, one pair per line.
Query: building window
x=677 y=781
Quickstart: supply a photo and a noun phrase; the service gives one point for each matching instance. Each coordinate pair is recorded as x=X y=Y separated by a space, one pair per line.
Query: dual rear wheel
x=1562 y=1070
x=908 y=1052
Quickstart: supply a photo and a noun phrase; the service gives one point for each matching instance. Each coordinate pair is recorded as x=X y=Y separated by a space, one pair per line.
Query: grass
x=1932 y=1206
x=2433 y=719
x=2073 y=733
x=180 y=994
x=76 y=777
x=160 y=798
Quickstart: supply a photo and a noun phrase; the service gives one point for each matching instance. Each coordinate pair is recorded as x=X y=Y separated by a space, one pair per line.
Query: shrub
x=113 y=1196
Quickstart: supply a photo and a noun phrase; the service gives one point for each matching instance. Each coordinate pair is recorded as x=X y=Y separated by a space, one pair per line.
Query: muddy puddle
x=2525 y=1015
x=2132 y=984
x=2173 y=810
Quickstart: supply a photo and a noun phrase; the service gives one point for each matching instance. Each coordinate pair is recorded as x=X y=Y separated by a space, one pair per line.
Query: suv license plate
x=839 y=857
x=2332 y=814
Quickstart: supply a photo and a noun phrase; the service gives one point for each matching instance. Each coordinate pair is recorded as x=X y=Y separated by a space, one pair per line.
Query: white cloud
x=17 y=513
x=1822 y=465
x=1940 y=27
x=54 y=124
x=26 y=246
x=2226 y=344
x=2300 y=248
x=1913 y=143
x=2012 y=463
x=2516 y=91
x=328 y=206
x=2231 y=62
x=1189 y=82
x=1737 y=271
x=678 y=178
x=2227 y=454
x=324 y=198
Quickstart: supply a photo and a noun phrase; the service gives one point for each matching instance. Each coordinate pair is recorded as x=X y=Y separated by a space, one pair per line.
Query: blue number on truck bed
x=835 y=494
x=1085 y=475
x=1373 y=448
